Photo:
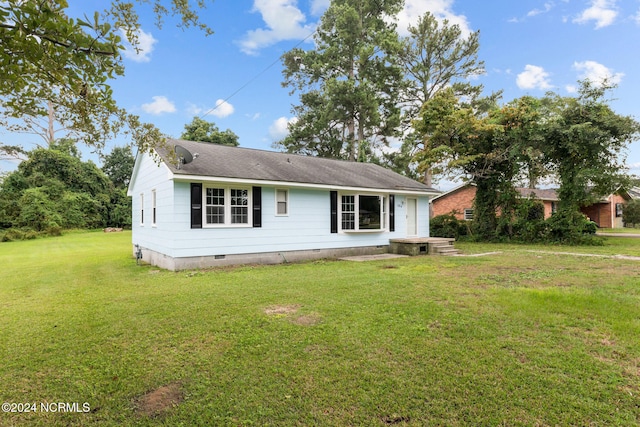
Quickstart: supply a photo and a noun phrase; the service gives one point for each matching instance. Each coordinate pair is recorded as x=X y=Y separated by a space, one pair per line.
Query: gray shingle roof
x=222 y=161
x=541 y=194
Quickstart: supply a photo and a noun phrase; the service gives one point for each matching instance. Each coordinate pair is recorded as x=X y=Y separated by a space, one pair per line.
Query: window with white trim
x=363 y=212
x=239 y=206
x=468 y=214
x=141 y=208
x=282 y=202
x=226 y=206
x=153 y=207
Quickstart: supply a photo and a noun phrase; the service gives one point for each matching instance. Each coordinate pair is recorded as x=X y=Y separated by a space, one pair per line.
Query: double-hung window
x=215 y=206
x=141 y=208
x=282 y=202
x=153 y=207
x=239 y=206
x=226 y=206
x=361 y=212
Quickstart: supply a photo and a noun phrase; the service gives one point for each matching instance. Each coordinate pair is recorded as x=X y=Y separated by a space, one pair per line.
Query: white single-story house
x=226 y=205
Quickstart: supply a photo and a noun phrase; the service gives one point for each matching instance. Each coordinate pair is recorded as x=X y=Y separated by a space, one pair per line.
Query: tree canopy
x=581 y=140
x=348 y=84
x=55 y=190
x=203 y=131
x=37 y=36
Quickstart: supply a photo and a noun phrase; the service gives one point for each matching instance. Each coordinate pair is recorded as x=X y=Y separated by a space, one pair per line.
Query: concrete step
x=447 y=251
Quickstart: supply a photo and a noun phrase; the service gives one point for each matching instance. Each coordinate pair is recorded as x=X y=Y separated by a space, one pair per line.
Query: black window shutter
x=257 y=206
x=196 y=205
x=392 y=212
x=334 y=211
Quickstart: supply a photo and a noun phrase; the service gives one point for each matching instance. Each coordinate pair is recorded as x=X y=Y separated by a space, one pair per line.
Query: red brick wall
x=458 y=201
x=604 y=214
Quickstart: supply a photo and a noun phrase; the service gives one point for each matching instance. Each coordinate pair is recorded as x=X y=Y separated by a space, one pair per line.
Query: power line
x=251 y=80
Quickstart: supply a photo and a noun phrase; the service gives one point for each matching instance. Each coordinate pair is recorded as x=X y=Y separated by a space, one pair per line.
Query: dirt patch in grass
x=307 y=320
x=159 y=400
x=281 y=309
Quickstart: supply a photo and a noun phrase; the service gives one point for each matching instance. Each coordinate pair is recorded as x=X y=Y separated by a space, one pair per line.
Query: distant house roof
x=221 y=161
x=541 y=194
x=634 y=192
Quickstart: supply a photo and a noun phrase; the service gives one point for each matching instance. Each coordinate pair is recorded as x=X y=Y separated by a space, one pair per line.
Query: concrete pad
x=361 y=258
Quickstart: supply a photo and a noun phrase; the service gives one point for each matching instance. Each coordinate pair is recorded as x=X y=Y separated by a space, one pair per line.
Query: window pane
x=214 y=213
x=348 y=212
x=369 y=213
x=239 y=206
x=281 y=202
x=282 y=208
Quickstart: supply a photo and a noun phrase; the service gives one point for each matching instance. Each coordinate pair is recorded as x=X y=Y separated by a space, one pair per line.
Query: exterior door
x=412 y=217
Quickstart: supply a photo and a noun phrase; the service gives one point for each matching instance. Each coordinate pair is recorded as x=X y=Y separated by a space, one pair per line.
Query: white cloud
x=145 y=47
x=319 y=6
x=597 y=73
x=547 y=7
x=571 y=88
x=533 y=77
x=194 y=110
x=222 y=109
x=159 y=105
x=279 y=129
x=441 y=9
x=603 y=12
x=284 y=21
x=636 y=17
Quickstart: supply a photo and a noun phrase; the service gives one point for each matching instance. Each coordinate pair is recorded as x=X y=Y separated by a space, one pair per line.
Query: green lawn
x=515 y=338
x=620 y=230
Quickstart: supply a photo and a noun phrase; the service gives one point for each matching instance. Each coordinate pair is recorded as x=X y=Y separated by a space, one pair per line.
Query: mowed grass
x=515 y=338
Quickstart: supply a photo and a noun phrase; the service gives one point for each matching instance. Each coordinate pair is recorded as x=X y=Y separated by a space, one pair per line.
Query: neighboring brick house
x=458 y=201
x=607 y=213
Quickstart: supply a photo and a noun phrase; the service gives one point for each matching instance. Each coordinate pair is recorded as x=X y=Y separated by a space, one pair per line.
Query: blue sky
x=233 y=77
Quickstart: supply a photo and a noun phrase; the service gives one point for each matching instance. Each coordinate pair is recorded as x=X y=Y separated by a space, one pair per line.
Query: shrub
x=631 y=213
x=572 y=227
x=447 y=226
x=529 y=225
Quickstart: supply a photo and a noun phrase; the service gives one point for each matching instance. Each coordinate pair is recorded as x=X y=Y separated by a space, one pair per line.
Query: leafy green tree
x=37 y=36
x=487 y=146
x=631 y=213
x=585 y=143
x=348 y=84
x=203 y=131
x=54 y=190
x=434 y=56
x=118 y=166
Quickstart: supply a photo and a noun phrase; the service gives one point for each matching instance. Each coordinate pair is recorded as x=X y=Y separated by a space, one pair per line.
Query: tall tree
x=36 y=36
x=486 y=145
x=118 y=166
x=585 y=143
x=434 y=56
x=204 y=131
x=348 y=84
